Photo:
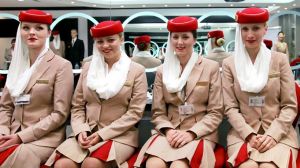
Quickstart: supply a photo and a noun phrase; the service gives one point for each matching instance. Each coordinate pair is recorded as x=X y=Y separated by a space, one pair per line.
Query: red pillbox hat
x=182 y=24
x=252 y=15
x=142 y=39
x=35 y=16
x=215 y=34
x=106 y=28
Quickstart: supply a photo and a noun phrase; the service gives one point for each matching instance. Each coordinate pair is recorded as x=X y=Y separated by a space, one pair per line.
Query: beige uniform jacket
x=147 y=62
x=115 y=118
x=42 y=121
x=60 y=51
x=280 y=106
x=218 y=56
x=202 y=91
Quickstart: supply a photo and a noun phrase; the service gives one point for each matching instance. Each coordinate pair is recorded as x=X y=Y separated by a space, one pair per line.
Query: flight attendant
x=141 y=53
x=216 y=50
x=259 y=98
x=108 y=102
x=36 y=100
x=187 y=104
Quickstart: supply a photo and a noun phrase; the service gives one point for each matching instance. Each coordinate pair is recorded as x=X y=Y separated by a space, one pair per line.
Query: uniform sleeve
x=135 y=109
x=6 y=111
x=63 y=88
x=232 y=109
x=78 y=112
x=288 y=103
x=214 y=116
x=159 y=106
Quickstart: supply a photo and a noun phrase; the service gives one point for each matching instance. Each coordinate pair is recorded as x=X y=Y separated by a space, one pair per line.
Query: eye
x=255 y=28
x=26 y=28
x=111 y=40
x=39 y=28
x=100 y=42
x=245 y=28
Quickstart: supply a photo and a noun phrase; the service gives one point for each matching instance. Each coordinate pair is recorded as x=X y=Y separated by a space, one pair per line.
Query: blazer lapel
x=194 y=77
x=40 y=70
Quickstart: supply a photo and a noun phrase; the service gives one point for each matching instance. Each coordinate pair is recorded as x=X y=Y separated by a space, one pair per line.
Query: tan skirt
x=158 y=146
x=280 y=154
x=70 y=148
x=28 y=155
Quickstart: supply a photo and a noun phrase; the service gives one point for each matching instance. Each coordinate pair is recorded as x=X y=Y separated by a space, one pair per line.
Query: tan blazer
x=147 y=62
x=203 y=91
x=218 y=56
x=60 y=51
x=116 y=117
x=42 y=121
x=278 y=113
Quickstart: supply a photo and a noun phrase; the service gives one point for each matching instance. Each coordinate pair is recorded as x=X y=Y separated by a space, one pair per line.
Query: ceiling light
x=143 y=6
x=187 y=5
x=274 y=4
x=166 y=5
x=278 y=11
x=231 y=5
x=234 y=0
x=72 y=2
x=285 y=8
x=122 y=6
x=294 y=4
x=94 y=5
x=20 y=0
x=252 y=4
x=209 y=5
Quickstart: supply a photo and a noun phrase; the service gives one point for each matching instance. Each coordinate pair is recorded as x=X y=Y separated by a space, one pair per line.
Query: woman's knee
x=267 y=165
x=249 y=163
x=155 y=162
x=91 y=162
x=183 y=163
x=65 y=162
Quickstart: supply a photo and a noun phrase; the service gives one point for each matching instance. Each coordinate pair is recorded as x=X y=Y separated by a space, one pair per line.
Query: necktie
x=73 y=41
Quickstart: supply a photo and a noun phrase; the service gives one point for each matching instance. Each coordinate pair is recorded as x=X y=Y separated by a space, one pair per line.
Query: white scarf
x=20 y=71
x=251 y=77
x=107 y=83
x=56 y=42
x=136 y=52
x=172 y=79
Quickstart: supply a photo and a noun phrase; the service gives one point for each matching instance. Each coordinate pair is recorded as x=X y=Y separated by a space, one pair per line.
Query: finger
x=91 y=137
x=84 y=135
x=264 y=144
x=182 y=144
x=94 y=141
x=260 y=141
x=178 y=142
x=7 y=143
x=174 y=140
x=5 y=137
x=266 y=147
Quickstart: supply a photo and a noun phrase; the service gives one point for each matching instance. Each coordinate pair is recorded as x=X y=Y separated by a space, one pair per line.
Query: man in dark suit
x=75 y=50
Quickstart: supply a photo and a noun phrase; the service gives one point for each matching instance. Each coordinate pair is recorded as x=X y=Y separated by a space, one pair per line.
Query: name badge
x=186 y=109
x=23 y=99
x=257 y=101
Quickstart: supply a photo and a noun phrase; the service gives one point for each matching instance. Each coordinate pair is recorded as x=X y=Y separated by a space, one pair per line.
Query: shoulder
x=136 y=67
x=279 y=58
x=229 y=60
x=209 y=64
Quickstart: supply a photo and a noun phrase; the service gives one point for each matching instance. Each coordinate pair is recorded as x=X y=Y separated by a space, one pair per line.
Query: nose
x=180 y=41
x=31 y=31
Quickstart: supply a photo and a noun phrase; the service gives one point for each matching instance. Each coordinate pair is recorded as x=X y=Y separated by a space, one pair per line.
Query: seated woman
x=141 y=53
x=259 y=98
x=36 y=99
x=187 y=104
x=109 y=100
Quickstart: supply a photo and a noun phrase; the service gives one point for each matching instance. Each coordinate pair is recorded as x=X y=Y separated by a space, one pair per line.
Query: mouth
x=32 y=39
x=250 y=41
x=105 y=51
x=180 y=48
